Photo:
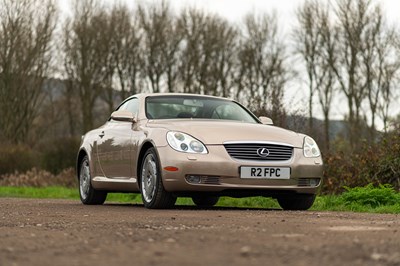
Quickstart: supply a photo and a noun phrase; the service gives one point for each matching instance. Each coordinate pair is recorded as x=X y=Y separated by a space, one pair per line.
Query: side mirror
x=266 y=120
x=123 y=116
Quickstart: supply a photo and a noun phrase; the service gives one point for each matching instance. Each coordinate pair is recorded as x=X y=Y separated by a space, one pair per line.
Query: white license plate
x=265 y=172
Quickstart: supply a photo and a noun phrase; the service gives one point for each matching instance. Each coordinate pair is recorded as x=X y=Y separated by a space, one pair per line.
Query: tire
x=299 y=202
x=205 y=201
x=89 y=195
x=154 y=195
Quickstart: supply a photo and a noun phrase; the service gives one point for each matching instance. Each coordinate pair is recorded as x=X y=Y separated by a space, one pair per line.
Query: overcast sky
x=235 y=9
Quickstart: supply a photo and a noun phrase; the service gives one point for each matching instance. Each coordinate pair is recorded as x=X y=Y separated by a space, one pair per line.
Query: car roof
x=144 y=95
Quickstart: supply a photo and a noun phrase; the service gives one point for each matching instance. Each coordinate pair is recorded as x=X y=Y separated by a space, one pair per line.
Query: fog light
x=193 y=179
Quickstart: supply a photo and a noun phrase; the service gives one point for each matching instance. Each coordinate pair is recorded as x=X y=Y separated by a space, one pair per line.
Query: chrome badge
x=263 y=152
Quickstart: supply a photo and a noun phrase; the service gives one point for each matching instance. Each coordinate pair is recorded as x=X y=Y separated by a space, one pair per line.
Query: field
x=382 y=199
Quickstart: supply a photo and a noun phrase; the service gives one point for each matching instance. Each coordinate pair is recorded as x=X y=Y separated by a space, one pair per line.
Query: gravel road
x=63 y=232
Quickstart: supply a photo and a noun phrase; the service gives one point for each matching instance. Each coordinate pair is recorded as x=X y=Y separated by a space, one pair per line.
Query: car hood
x=214 y=132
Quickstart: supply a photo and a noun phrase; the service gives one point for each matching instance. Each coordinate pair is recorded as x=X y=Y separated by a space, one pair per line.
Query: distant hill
x=300 y=124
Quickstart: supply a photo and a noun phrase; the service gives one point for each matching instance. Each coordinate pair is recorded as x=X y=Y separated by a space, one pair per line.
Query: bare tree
x=262 y=72
x=307 y=36
x=327 y=82
x=227 y=59
x=191 y=23
x=354 y=18
x=388 y=95
x=87 y=56
x=219 y=46
x=72 y=107
x=379 y=64
x=315 y=39
x=390 y=79
x=126 y=49
x=208 y=53
x=161 y=43
x=26 y=30
x=103 y=24
x=172 y=53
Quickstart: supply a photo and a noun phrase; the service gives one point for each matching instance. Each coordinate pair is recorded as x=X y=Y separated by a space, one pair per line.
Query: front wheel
x=87 y=193
x=298 y=202
x=154 y=195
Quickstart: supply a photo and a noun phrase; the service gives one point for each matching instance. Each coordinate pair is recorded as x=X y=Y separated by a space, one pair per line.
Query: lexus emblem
x=263 y=152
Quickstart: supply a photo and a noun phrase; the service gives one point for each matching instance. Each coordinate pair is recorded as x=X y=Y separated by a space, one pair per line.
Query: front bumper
x=221 y=173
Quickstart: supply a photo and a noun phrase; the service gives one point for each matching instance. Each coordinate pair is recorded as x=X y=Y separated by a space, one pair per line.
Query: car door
x=115 y=146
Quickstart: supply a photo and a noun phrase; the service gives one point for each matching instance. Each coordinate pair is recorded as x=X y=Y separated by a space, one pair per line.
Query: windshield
x=176 y=107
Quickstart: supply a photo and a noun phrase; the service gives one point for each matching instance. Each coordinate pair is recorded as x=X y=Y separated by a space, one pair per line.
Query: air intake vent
x=308 y=182
x=203 y=179
x=210 y=180
x=259 y=151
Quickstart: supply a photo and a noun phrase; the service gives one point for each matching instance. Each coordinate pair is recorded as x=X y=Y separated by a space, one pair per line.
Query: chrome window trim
x=258 y=142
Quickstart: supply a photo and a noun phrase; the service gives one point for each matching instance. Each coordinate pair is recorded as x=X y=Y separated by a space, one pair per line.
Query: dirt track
x=59 y=232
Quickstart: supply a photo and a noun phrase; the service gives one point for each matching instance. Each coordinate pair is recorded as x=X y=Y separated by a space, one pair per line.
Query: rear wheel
x=154 y=195
x=87 y=193
x=298 y=202
x=205 y=201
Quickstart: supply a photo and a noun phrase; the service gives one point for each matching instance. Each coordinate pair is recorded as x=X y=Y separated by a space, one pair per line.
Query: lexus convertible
x=166 y=146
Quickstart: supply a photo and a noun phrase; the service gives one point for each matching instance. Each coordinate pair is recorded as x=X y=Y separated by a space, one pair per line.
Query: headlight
x=310 y=148
x=185 y=143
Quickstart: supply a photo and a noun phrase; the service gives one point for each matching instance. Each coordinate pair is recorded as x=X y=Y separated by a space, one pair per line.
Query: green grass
x=39 y=193
x=381 y=199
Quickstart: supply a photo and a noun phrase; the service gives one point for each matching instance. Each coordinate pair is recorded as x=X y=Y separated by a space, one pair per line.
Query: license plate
x=265 y=172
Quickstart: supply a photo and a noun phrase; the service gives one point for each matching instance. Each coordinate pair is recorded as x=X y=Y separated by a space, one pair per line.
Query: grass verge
x=381 y=199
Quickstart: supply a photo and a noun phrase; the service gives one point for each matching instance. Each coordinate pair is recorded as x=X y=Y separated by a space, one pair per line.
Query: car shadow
x=193 y=208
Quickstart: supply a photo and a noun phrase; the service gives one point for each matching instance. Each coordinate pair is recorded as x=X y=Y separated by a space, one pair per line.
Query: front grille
x=251 y=151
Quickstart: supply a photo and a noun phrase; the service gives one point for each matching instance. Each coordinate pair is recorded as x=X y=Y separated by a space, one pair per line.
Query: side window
x=131 y=105
x=122 y=107
x=225 y=112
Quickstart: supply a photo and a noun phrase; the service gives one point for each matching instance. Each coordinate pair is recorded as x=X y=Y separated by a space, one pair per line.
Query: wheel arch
x=147 y=145
x=81 y=154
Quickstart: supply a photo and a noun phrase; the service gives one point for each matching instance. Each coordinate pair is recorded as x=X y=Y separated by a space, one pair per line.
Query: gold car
x=182 y=145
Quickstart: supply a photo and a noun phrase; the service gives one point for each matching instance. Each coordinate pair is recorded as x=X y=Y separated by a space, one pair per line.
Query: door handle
x=101 y=134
